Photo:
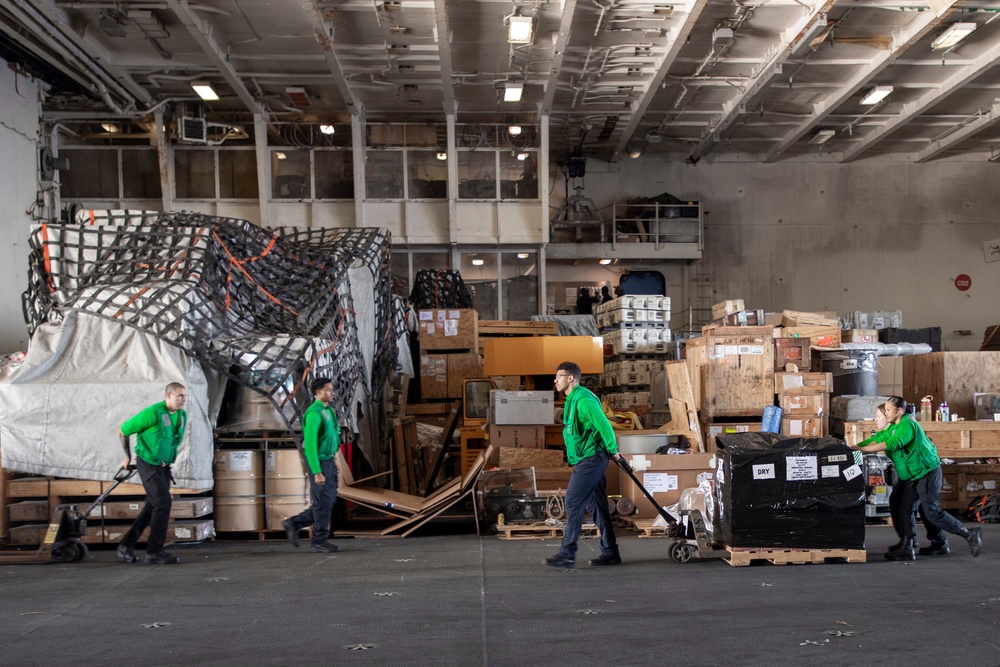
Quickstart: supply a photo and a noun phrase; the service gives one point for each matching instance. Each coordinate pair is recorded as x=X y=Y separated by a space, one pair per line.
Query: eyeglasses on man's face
x=562 y=375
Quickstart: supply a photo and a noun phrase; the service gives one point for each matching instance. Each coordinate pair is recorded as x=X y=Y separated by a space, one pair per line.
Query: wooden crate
x=792 y=351
x=448 y=329
x=803 y=383
x=737 y=376
x=804 y=404
x=517 y=328
x=826 y=336
x=952 y=377
x=795 y=426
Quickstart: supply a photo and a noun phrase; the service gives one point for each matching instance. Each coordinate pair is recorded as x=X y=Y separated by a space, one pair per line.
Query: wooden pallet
x=646 y=529
x=739 y=557
x=539 y=531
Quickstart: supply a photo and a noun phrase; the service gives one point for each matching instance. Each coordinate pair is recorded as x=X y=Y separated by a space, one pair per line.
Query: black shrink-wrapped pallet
x=775 y=491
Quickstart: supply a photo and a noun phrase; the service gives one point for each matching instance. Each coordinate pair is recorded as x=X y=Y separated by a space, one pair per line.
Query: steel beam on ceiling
x=910 y=111
x=988 y=119
x=677 y=38
x=443 y=34
x=558 y=53
x=324 y=35
x=202 y=34
x=792 y=41
x=923 y=22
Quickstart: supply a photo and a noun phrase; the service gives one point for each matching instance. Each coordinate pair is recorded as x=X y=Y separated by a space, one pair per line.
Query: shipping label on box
x=668 y=474
x=448 y=329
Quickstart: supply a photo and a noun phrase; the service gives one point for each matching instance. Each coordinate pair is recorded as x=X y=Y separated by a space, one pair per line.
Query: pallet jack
x=692 y=541
x=63 y=538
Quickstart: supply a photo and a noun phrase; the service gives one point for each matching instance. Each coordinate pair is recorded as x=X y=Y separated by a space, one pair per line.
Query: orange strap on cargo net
x=239 y=265
x=46 y=258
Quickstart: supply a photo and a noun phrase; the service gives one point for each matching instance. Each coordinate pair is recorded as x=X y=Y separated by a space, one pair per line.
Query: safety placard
x=852 y=472
x=800 y=468
x=659 y=482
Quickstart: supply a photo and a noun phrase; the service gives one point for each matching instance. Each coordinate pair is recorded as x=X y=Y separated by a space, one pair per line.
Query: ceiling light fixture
x=523 y=255
x=876 y=95
x=520 y=29
x=512 y=92
x=327 y=129
x=822 y=136
x=953 y=35
x=204 y=90
x=514 y=130
x=635 y=153
x=110 y=128
x=442 y=155
x=280 y=155
x=477 y=262
x=604 y=262
x=522 y=156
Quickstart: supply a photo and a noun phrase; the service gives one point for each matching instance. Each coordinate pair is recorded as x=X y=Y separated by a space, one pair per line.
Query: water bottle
x=945 y=412
x=926 y=408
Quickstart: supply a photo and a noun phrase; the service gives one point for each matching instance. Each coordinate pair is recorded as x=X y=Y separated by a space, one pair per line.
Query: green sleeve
x=595 y=416
x=310 y=433
x=900 y=436
x=139 y=423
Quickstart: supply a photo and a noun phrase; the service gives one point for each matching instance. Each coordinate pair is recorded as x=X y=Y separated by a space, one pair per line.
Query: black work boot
x=126 y=553
x=897 y=546
x=974 y=536
x=161 y=558
x=935 y=549
x=905 y=552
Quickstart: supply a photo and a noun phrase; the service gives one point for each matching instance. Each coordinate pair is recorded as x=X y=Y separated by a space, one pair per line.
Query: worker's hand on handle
x=126 y=462
x=319 y=478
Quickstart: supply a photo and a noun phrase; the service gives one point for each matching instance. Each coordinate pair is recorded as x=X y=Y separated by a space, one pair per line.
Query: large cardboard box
x=522 y=407
x=518 y=435
x=539 y=355
x=448 y=329
x=663 y=475
x=713 y=431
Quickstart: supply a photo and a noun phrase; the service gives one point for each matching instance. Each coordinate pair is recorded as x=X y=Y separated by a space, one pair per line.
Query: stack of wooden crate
x=804 y=399
x=449 y=351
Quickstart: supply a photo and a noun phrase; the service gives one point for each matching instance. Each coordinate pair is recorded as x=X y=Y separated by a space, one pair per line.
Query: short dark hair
x=571 y=368
x=174 y=387
x=318 y=384
x=898 y=401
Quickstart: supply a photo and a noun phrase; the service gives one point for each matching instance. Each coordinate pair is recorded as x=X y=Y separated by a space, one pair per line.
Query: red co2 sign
x=963 y=283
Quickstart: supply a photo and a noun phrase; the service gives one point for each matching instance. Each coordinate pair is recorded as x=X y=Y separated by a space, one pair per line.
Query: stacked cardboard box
x=665 y=476
x=449 y=344
x=805 y=403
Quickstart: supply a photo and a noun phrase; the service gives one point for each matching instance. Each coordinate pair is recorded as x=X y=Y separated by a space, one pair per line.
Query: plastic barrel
x=239 y=490
x=854 y=371
x=287 y=483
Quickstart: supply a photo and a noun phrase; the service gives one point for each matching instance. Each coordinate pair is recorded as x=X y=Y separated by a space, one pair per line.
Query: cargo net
x=270 y=309
x=439 y=288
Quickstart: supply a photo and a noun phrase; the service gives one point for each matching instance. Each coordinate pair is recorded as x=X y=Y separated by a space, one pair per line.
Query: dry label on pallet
x=800 y=468
x=763 y=471
x=852 y=472
x=659 y=482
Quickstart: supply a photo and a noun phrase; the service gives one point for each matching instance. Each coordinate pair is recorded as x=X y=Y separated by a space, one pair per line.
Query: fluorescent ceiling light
x=442 y=155
x=519 y=29
x=477 y=262
x=822 y=136
x=327 y=129
x=635 y=153
x=514 y=130
x=204 y=91
x=110 y=128
x=605 y=262
x=523 y=255
x=512 y=92
x=953 y=35
x=280 y=155
x=522 y=156
x=876 y=95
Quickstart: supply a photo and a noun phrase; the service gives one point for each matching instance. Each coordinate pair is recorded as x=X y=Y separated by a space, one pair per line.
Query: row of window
x=231 y=173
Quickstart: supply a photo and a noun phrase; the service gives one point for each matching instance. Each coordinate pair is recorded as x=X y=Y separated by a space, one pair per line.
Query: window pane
x=481 y=279
x=520 y=285
x=518 y=178
x=477 y=175
x=290 y=174
x=91 y=173
x=194 y=171
x=384 y=174
x=334 y=174
x=428 y=176
x=238 y=174
x=141 y=174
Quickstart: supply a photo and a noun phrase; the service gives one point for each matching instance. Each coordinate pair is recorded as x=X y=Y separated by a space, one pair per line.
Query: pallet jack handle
x=122 y=475
x=623 y=464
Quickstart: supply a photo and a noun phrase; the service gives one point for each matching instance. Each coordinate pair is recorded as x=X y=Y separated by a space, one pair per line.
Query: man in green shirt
x=919 y=469
x=159 y=430
x=320 y=444
x=590 y=444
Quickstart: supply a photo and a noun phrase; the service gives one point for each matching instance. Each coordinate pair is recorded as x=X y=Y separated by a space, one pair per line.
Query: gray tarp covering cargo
x=61 y=409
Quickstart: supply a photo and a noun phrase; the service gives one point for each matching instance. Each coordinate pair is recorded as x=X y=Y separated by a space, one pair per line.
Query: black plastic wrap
x=776 y=491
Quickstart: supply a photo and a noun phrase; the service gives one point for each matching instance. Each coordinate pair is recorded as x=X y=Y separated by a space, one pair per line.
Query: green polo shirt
x=586 y=430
